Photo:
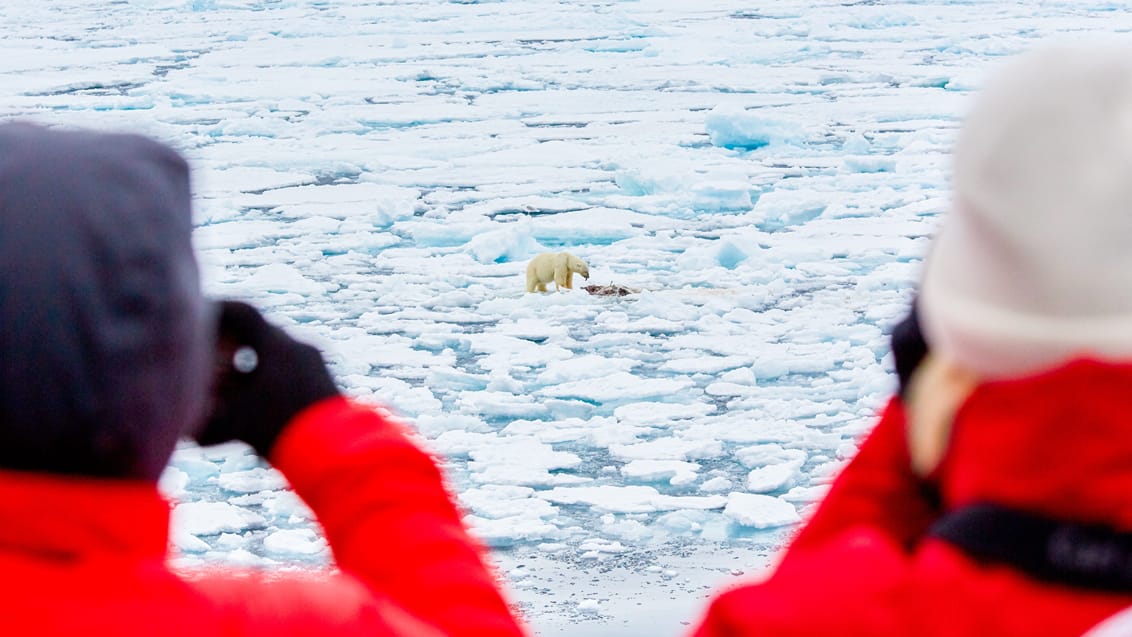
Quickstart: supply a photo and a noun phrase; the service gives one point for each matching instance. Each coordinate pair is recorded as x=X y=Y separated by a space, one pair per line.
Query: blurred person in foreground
x=110 y=354
x=994 y=496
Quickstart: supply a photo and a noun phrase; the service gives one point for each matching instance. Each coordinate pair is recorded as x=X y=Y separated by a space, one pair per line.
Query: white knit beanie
x=1033 y=264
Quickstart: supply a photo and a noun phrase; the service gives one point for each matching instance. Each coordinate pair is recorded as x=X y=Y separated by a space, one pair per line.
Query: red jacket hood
x=76 y=518
x=1059 y=443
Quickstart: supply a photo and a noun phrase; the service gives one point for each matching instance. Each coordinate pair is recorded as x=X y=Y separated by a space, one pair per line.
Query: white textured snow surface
x=375 y=175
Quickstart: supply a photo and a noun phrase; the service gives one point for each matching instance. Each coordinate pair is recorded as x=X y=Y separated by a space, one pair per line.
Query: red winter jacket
x=88 y=557
x=1059 y=444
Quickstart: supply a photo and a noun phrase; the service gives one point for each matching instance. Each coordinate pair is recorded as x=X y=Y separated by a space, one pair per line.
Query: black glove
x=264 y=378
x=908 y=347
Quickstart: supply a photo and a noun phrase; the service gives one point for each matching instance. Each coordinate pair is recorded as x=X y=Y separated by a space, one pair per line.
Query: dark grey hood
x=105 y=338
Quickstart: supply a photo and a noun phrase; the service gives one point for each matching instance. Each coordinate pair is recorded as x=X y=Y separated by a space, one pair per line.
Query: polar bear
x=554 y=266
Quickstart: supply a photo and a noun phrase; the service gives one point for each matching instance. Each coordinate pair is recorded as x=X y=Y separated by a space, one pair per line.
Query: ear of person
x=937 y=390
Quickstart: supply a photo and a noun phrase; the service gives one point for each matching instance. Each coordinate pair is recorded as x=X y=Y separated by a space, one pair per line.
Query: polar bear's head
x=578 y=266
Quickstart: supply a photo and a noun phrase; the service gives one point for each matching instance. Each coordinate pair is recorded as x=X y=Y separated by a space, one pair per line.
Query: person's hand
x=264 y=379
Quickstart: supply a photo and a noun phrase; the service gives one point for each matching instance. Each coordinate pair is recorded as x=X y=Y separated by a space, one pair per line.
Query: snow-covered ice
x=375 y=175
x=759 y=511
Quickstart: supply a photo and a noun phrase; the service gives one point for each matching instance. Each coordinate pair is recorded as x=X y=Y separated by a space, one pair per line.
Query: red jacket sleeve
x=877 y=488
x=389 y=519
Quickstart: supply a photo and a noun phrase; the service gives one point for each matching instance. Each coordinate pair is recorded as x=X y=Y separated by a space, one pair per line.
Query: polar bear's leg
x=570 y=279
x=540 y=271
x=532 y=275
x=560 y=280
